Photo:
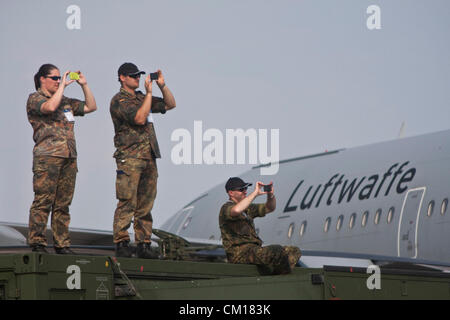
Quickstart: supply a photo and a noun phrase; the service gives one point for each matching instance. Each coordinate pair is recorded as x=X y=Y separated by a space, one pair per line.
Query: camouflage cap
x=128 y=69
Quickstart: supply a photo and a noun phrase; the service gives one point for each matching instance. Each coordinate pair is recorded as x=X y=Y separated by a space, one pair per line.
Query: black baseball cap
x=129 y=69
x=236 y=183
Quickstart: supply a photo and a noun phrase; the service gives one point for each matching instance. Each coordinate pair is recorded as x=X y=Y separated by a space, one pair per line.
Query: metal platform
x=27 y=275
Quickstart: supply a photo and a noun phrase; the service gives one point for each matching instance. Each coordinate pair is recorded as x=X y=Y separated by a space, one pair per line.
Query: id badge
x=69 y=115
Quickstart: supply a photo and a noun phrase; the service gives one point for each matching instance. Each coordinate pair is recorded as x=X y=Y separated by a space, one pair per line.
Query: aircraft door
x=408 y=223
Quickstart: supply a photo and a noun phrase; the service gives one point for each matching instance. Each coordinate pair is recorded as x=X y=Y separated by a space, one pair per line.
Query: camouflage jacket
x=240 y=230
x=53 y=133
x=132 y=140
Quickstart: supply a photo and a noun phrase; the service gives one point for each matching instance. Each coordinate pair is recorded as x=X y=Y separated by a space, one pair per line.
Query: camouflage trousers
x=273 y=259
x=136 y=191
x=53 y=185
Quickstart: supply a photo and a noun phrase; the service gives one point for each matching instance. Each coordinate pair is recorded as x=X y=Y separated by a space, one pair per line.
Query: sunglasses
x=135 y=76
x=55 y=78
x=241 y=189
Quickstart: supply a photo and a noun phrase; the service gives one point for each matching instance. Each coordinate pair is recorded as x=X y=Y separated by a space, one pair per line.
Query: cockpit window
x=177 y=222
x=187 y=222
x=183 y=219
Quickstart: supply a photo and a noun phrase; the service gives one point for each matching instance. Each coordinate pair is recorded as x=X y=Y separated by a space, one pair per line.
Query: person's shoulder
x=225 y=206
x=117 y=96
x=228 y=203
x=116 y=99
x=35 y=96
x=35 y=100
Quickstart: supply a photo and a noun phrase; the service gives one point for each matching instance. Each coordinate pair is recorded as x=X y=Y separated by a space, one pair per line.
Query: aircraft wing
x=17 y=233
x=78 y=236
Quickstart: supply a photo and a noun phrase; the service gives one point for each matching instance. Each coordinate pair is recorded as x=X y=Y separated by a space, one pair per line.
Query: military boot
x=283 y=266
x=64 y=250
x=38 y=248
x=144 y=251
x=123 y=249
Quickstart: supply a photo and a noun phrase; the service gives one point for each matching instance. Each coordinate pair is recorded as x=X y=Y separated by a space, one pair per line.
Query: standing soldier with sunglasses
x=51 y=115
x=137 y=150
x=239 y=237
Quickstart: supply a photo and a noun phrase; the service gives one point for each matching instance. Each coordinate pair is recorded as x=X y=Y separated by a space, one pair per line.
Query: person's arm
x=168 y=97
x=144 y=110
x=242 y=205
x=52 y=104
x=90 y=105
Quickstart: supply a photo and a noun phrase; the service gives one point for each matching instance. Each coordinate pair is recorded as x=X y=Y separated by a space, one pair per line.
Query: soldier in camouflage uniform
x=137 y=150
x=51 y=115
x=239 y=237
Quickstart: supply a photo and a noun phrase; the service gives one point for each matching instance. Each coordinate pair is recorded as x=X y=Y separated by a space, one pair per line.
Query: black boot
x=64 y=250
x=144 y=251
x=38 y=248
x=123 y=249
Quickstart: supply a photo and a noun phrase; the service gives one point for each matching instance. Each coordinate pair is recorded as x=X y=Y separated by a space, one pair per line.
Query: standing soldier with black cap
x=239 y=237
x=137 y=150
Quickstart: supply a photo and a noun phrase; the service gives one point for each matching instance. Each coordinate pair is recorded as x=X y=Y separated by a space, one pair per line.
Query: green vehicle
x=185 y=272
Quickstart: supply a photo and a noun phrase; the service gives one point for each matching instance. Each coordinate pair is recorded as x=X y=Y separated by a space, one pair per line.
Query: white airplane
x=385 y=199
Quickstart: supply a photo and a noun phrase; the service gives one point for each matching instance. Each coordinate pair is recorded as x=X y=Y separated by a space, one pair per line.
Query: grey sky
x=311 y=69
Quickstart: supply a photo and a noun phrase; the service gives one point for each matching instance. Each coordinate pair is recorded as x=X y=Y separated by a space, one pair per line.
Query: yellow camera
x=74 y=76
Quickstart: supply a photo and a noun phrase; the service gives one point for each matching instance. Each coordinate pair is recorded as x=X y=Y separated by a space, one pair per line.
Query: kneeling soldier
x=239 y=238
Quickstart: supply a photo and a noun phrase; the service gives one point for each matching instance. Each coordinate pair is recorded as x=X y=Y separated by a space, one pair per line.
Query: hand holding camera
x=262 y=188
x=269 y=189
x=148 y=84
x=76 y=76
x=64 y=81
x=157 y=76
x=154 y=76
x=160 y=79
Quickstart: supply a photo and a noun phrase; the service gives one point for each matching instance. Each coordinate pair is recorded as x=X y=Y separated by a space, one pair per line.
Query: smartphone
x=74 y=76
x=154 y=76
x=267 y=188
